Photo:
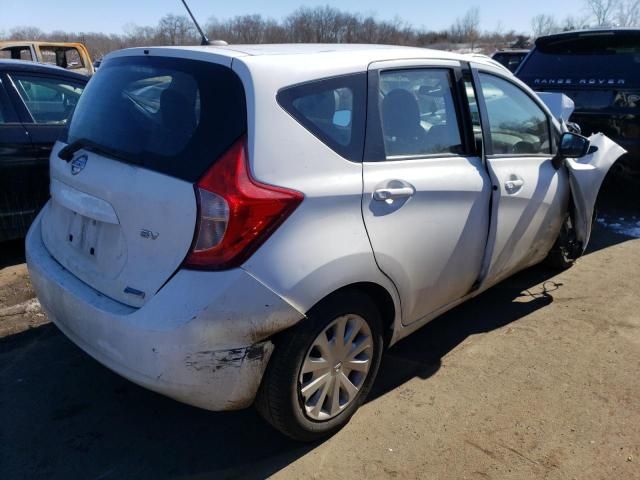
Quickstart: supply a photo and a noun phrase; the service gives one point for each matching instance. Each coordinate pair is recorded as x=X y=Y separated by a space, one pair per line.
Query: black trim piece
x=520 y=155
x=487 y=144
x=466 y=122
x=374 y=145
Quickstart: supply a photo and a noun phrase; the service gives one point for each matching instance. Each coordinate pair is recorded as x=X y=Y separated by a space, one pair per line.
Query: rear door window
x=418 y=113
x=517 y=125
x=174 y=116
x=48 y=100
x=332 y=109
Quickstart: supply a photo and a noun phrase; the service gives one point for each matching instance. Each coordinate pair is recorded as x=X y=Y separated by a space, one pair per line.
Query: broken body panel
x=586 y=175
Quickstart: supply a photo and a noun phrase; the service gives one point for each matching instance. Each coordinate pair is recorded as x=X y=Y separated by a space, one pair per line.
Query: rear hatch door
x=123 y=210
x=599 y=70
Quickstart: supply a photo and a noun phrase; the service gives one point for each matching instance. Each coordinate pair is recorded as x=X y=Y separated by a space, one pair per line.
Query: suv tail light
x=236 y=213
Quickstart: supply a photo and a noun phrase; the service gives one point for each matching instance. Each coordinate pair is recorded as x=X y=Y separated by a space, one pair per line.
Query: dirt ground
x=537 y=378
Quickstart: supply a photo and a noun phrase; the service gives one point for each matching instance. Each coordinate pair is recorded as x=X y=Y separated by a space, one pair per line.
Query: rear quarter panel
x=323 y=246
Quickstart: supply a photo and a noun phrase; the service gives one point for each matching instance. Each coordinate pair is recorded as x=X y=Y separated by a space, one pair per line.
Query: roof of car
x=10 y=43
x=589 y=32
x=356 y=54
x=33 y=67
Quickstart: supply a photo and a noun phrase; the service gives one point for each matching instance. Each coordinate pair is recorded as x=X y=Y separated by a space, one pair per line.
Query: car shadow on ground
x=62 y=415
x=11 y=253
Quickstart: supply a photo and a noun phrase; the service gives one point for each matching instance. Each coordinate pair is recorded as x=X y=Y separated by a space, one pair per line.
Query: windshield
x=590 y=61
x=170 y=115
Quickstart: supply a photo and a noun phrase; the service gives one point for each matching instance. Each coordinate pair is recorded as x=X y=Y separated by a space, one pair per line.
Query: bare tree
x=602 y=10
x=628 y=13
x=319 y=24
x=467 y=27
x=574 y=23
x=176 y=30
x=543 y=25
x=25 y=33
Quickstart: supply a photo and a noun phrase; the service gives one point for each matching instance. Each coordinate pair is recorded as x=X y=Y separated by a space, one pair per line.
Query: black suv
x=35 y=103
x=510 y=58
x=600 y=71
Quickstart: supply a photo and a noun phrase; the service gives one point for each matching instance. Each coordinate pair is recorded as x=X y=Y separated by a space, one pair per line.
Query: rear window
x=174 y=116
x=332 y=109
x=592 y=60
x=511 y=60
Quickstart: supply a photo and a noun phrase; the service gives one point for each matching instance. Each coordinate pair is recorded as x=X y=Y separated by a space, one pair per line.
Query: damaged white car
x=258 y=223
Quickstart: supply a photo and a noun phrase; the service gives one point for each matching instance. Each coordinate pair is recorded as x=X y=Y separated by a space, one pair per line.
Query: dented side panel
x=586 y=175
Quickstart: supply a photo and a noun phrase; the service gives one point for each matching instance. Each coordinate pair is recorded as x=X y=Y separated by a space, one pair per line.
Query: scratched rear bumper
x=202 y=340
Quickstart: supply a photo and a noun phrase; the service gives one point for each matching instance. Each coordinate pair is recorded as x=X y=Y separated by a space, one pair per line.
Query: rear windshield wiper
x=66 y=153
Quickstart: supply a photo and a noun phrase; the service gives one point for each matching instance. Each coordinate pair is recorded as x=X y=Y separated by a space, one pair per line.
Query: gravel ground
x=536 y=378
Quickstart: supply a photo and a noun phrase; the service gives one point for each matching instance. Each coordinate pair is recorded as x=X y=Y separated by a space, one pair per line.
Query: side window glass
x=516 y=123
x=331 y=109
x=16 y=53
x=418 y=113
x=48 y=56
x=6 y=111
x=73 y=59
x=49 y=101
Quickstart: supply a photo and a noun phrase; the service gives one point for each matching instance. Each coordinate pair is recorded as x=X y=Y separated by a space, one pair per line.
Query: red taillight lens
x=236 y=213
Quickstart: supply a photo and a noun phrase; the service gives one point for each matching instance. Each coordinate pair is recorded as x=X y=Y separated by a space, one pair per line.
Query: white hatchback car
x=230 y=224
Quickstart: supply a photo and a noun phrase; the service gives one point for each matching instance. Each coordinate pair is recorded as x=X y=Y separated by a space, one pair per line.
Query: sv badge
x=144 y=233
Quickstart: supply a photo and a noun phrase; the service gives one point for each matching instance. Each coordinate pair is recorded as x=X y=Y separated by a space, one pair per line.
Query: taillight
x=236 y=213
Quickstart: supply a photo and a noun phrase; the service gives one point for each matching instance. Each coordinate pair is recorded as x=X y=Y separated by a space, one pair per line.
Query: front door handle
x=384 y=194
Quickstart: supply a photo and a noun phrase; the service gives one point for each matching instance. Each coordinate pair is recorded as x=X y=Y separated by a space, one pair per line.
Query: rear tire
x=311 y=354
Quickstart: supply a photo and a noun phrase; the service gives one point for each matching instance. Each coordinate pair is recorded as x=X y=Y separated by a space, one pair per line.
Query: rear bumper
x=202 y=340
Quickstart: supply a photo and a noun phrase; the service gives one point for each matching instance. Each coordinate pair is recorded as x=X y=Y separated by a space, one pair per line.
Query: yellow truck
x=72 y=56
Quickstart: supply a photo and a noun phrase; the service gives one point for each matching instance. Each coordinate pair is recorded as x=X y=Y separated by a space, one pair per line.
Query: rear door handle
x=384 y=194
x=513 y=185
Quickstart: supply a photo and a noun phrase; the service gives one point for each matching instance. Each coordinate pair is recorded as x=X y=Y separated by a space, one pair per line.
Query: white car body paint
x=586 y=175
x=204 y=337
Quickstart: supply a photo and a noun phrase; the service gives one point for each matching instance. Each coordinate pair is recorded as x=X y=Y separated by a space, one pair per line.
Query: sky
x=110 y=16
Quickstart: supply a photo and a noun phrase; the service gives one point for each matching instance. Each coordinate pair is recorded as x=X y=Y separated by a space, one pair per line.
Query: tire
x=564 y=252
x=280 y=400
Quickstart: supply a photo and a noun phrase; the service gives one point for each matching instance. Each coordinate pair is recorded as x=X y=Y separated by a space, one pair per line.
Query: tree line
x=597 y=13
x=331 y=25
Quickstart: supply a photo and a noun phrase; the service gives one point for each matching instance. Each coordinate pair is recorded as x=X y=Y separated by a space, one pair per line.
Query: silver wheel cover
x=335 y=367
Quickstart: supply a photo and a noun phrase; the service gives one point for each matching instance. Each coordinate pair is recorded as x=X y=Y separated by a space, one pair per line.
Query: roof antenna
x=204 y=40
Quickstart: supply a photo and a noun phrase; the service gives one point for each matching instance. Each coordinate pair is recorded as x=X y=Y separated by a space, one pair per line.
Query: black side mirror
x=573 y=145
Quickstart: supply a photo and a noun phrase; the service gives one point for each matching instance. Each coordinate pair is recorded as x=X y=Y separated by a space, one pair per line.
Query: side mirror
x=573 y=145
